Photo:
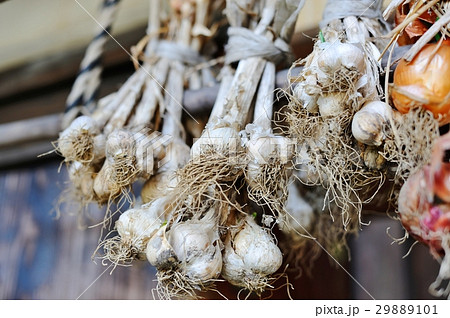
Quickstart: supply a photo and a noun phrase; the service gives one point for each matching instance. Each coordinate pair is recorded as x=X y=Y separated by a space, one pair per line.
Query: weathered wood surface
x=46 y=258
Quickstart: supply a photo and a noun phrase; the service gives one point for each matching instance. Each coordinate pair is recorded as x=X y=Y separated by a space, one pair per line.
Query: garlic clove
x=159 y=252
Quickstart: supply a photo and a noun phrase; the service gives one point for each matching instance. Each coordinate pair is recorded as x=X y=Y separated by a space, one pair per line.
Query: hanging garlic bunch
x=218 y=157
x=250 y=257
x=187 y=256
x=167 y=151
x=269 y=155
x=338 y=78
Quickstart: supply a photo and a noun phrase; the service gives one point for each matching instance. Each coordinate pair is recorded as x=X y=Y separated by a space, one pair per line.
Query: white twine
x=339 y=9
x=88 y=80
x=244 y=43
x=177 y=52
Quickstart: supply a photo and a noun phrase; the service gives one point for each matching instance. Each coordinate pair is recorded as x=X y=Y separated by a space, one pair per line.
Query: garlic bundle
x=269 y=155
x=187 y=256
x=176 y=36
x=218 y=157
x=251 y=257
x=338 y=78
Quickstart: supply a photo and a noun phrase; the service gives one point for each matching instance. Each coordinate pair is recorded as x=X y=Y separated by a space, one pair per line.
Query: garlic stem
x=265 y=98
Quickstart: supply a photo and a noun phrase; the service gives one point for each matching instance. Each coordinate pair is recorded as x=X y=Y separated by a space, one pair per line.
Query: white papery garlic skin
x=331 y=105
x=83 y=125
x=120 y=142
x=222 y=140
x=251 y=256
x=82 y=177
x=300 y=214
x=137 y=226
x=369 y=123
x=159 y=252
x=196 y=245
x=334 y=56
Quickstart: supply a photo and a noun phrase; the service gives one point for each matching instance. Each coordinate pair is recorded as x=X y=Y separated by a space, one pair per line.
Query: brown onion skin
x=428 y=77
x=416 y=28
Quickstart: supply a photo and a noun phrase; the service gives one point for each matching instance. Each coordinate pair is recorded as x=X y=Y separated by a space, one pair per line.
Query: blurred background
x=44 y=255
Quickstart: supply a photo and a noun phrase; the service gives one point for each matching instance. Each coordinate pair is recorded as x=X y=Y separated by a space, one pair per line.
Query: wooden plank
x=54 y=69
x=377 y=265
x=48 y=258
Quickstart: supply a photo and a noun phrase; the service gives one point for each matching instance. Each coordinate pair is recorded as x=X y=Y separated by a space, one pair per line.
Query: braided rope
x=85 y=88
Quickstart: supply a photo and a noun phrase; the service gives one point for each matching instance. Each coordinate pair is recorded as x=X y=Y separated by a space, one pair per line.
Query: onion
x=424 y=82
x=415 y=29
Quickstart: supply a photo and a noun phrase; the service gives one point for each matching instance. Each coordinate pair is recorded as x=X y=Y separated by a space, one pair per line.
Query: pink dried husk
x=424 y=209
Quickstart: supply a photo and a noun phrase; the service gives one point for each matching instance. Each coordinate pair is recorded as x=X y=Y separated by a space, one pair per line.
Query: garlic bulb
x=307 y=91
x=250 y=257
x=331 y=105
x=369 y=124
x=176 y=156
x=187 y=256
x=157 y=186
x=76 y=141
x=263 y=147
x=119 y=169
x=99 y=147
x=104 y=187
x=335 y=56
x=196 y=245
x=300 y=214
x=136 y=226
x=82 y=178
x=120 y=142
x=222 y=140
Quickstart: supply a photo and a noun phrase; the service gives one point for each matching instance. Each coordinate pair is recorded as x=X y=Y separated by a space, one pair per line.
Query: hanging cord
x=85 y=88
